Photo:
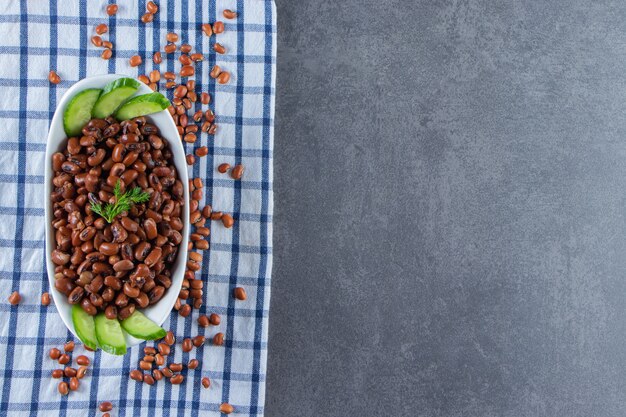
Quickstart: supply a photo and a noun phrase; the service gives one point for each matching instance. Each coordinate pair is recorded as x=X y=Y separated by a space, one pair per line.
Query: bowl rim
x=56 y=135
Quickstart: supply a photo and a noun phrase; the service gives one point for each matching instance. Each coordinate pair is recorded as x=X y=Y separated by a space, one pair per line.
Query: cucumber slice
x=84 y=326
x=142 y=105
x=113 y=95
x=141 y=327
x=78 y=111
x=110 y=335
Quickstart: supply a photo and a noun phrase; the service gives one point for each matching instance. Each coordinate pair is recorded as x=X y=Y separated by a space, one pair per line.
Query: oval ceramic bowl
x=56 y=139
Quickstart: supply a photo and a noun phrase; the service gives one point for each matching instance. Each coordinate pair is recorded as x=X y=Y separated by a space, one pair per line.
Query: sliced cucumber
x=113 y=95
x=141 y=327
x=84 y=326
x=110 y=335
x=142 y=105
x=78 y=111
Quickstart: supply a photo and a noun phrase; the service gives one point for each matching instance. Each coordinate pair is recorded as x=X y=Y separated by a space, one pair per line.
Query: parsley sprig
x=123 y=202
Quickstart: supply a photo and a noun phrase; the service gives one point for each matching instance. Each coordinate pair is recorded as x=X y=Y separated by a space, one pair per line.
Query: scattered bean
x=218 y=27
x=53 y=77
x=229 y=14
x=135 y=60
x=218 y=339
x=105 y=406
x=102 y=28
x=111 y=9
x=63 y=388
x=15 y=298
x=219 y=48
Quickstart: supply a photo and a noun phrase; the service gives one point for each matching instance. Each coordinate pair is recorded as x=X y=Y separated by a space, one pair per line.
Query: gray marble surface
x=450 y=185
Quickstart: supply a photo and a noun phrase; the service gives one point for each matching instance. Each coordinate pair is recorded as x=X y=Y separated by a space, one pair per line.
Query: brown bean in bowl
x=117 y=215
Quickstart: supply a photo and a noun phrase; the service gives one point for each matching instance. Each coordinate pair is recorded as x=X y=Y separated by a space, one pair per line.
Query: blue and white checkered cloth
x=36 y=36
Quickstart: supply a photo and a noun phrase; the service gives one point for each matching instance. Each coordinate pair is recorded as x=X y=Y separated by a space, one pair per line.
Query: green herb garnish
x=123 y=202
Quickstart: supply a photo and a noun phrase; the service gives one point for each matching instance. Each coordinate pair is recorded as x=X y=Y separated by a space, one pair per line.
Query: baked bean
x=218 y=27
x=111 y=10
x=110 y=312
x=106 y=54
x=172 y=37
x=147 y=18
x=229 y=14
x=185 y=48
x=146 y=366
x=134 y=60
x=126 y=312
x=102 y=28
x=156 y=294
x=105 y=406
x=131 y=291
x=206 y=382
x=64 y=359
x=219 y=48
x=226 y=408
x=45 y=299
x=69 y=372
x=57 y=373
x=107 y=44
x=223 y=168
x=152 y=7
x=153 y=257
x=202 y=244
x=63 y=388
x=157 y=375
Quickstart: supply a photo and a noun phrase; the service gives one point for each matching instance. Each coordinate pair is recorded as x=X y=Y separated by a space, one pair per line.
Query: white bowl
x=56 y=137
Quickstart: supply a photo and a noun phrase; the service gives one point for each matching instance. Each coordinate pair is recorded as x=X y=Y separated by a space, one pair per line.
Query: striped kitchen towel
x=36 y=36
